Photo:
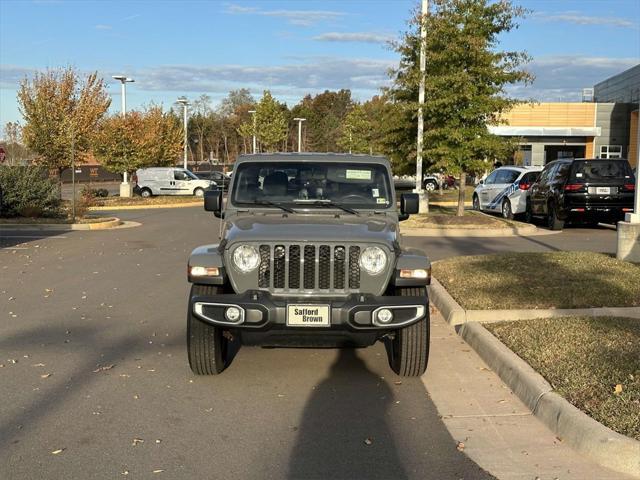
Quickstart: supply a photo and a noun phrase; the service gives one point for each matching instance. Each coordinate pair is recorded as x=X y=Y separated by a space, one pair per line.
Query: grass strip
x=540 y=280
x=592 y=362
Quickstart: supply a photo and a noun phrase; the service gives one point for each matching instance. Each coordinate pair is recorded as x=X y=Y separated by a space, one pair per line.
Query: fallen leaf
x=136 y=441
x=60 y=450
x=38 y=365
x=158 y=440
x=618 y=389
x=397 y=382
x=158 y=471
x=368 y=441
x=125 y=472
x=13 y=360
x=46 y=375
x=103 y=368
x=460 y=446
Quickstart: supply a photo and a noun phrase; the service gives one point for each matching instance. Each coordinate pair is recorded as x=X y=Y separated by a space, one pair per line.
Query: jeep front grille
x=309 y=267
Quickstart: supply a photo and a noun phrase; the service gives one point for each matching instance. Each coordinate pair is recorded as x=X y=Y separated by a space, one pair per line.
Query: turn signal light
x=573 y=187
x=419 y=273
x=204 y=271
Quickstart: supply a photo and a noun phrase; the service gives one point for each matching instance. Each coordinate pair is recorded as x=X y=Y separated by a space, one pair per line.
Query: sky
x=174 y=48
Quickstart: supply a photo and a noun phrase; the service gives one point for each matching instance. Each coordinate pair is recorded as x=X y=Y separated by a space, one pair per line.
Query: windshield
x=318 y=185
x=601 y=170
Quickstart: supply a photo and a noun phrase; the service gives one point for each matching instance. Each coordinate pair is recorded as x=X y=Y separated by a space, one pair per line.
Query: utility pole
x=185 y=103
x=73 y=175
x=424 y=201
x=253 y=115
x=299 y=120
x=125 y=186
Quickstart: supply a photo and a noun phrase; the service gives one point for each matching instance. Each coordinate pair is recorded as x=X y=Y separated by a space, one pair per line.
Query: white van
x=170 y=181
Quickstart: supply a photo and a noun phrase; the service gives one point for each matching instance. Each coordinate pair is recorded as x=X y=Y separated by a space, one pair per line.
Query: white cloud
x=366 y=37
x=103 y=27
x=580 y=19
x=302 y=18
x=562 y=77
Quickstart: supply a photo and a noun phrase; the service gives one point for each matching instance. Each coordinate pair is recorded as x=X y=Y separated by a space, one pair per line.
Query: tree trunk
x=461 y=192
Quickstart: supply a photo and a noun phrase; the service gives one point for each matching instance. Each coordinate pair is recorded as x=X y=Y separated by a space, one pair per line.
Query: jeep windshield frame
x=317 y=186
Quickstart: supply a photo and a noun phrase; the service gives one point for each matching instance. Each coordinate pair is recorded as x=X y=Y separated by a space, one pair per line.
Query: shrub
x=94 y=192
x=28 y=192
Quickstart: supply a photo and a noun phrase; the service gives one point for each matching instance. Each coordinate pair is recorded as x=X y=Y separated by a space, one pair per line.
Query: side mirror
x=481 y=182
x=409 y=203
x=213 y=201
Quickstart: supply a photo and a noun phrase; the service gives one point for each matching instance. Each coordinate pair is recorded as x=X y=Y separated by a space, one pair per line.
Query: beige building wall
x=565 y=114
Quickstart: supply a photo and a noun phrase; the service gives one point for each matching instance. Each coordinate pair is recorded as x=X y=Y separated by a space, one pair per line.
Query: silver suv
x=309 y=255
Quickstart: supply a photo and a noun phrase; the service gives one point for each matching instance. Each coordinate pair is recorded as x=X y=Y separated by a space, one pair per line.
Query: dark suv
x=582 y=190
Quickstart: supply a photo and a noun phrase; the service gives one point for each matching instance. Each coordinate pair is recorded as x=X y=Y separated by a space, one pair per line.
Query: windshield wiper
x=328 y=204
x=272 y=204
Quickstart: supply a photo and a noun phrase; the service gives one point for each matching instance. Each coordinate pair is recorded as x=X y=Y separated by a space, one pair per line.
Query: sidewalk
x=498 y=431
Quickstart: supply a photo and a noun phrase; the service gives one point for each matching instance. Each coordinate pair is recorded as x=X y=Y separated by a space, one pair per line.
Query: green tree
x=271 y=122
x=59 y=109
x=325 y=114
x=149 y=138
x=465 y=82
x=356 y=132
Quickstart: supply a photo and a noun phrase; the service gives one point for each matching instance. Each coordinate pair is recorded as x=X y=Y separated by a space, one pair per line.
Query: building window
x=611 y=151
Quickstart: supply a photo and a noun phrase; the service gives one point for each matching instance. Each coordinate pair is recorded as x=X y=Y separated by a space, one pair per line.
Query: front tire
x=408 y=351
x=430 y=185
x=206 y=346
x=198 y=192
x=506 y=209
x=476 y=203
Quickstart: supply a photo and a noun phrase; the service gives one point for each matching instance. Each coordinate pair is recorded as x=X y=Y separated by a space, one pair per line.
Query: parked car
x=221 y=179
x=505 y=190
x=582 y=190
x=169 y=181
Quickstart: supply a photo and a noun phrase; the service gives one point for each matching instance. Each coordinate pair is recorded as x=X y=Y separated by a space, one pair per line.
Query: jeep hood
x=312 y=228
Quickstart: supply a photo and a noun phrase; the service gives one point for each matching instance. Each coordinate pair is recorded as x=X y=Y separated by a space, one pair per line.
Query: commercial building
x=604 y=125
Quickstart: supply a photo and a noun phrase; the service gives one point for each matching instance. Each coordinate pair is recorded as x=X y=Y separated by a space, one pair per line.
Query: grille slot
x=279 y=254
x=354 y=267
x=294 y=266
x=309 y=267
x=264 y=272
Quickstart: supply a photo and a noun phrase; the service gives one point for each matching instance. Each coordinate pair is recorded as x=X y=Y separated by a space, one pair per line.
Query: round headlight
x=246 y=258
x=373 y=260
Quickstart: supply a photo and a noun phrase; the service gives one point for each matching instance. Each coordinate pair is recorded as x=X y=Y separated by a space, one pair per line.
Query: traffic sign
x=3 y=155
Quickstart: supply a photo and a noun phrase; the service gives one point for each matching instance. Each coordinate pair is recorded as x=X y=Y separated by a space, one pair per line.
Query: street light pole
x=125 y=189
x=184 y=102
x=253 y=115
x=424 y=204
x=299 y=120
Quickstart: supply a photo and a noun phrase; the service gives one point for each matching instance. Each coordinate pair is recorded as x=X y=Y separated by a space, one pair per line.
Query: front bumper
x=262 y=311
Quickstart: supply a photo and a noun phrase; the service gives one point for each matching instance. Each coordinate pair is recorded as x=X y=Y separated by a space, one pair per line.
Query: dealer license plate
x=603 y=190
x=308 y=315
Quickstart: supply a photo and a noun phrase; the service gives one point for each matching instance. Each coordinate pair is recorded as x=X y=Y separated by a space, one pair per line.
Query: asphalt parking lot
x=94 y=368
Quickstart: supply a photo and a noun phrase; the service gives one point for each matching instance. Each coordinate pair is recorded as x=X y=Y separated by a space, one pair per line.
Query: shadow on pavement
x=12 y=238
x=349 y=431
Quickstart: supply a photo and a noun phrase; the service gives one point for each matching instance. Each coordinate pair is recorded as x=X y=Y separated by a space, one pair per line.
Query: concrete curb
x=144 y=207
x=473 y=232
x=454 y=314
x=113 y=223
x=581 y=432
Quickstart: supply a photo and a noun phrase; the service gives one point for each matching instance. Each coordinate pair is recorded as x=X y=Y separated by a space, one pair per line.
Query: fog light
x=385 y=315
x=232 y=314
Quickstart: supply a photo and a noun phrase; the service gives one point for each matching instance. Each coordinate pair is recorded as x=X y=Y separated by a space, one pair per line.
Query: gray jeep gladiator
x=309 y=256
